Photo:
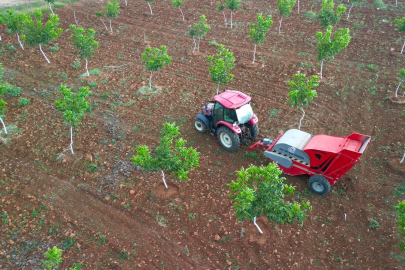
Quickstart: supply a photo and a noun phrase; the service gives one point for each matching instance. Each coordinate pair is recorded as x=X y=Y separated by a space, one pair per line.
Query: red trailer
x=326 y=158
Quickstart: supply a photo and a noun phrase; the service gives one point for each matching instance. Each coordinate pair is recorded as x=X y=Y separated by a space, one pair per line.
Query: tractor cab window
x=229 y=115
x=218 y=112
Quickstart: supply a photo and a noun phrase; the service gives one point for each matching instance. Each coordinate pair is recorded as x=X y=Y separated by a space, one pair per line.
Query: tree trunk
x=181 y=13
x=87 y=70
x=51 y=8
x=303 y=114
x=348 y=14
x=4 y=126
x=226 y=24
x=402 y=160
x=254 y=55
x=321 y=68
x=126 y=3
x=195 y=45
x=403 y=47
x=104 y=24
x=46 y=58
x=199 y=39
x=298 y=2
x=231 y=18
x=21 y=45
x=0 y=37
x=74 y=14
x=110 y=26
x=150 y=80
x=396 y=92
x=163 y=178
x=257 y=226
x=279 y=28
x=218 y=89
x=150 y=8
x=71 y=140
x=396 y=3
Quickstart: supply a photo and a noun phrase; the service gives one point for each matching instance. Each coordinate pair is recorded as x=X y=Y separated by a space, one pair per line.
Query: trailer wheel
x=228 y=139
x=319 y=184
x=254 y=131
x=199 y=125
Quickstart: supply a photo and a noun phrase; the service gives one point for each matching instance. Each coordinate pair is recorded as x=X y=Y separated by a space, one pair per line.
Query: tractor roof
x=232 y=99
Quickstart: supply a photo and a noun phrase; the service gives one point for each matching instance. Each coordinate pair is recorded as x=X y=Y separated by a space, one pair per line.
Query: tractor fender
x=235 y=128
x=254 y=120
x=205 y=120
x=284 y=161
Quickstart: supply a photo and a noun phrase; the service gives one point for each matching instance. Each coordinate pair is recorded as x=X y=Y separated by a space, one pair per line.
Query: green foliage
x=327 y=16
x=261 y=190
x=259 y=29
x=285 y=6
x=170 y=156
x=2 y=91
x=177 y=3
x=374 y=223
x=36 y=32
x=329 y=47
x=400 y=23
x=111 y=10
x=54 y=48
x=401 y=223
x=232 y=4
x=99 y=14
x=84 y=41
x=155 y=58
x=221 y=65
x=220 y=7
x=401 y=75
x=301 y=90
x=76 y=64
x=200 y=29
x=50 y=1
x=54 y=258
x=73 y=105
x=23 y=102
x=12 y=90
x=15 y=22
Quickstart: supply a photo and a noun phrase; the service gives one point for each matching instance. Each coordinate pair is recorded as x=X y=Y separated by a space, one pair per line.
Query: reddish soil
x=106 y=213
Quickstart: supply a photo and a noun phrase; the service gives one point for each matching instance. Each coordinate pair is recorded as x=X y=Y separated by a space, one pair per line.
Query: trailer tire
x=228 y=139
x=254 y=131
x=199 y=125
x=318 y=184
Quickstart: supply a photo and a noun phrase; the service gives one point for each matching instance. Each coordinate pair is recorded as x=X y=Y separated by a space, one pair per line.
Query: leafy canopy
x=329 y=47
x=401 y=223
x=301 y=90
x=259 y=29
x=200 y=28
x=2 y=91
x=285 y=6
x=220 y=7
x=400 y=23
x=401 y=75
x=84 y=41
x=112 y=9
x=15 y=22
x=155 y=58
x=232 y=4
x=50 y=1
x=73 y=105
x=221 y=65
x=54 y=258
x=327 y=16
x=170 y=156
x=36 y=32
x=177 y=3
x=261 y=190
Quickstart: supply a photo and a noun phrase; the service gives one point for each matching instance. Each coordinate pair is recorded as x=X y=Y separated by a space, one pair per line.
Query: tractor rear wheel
x=318 y=184
x=254 y=131
x=228 y=139
x=199 y=125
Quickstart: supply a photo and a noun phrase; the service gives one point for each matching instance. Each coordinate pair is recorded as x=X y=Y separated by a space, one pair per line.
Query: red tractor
x=229 y=116
x=326 y=158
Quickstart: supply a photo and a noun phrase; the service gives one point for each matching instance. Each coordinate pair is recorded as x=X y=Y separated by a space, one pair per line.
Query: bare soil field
x=106 y=213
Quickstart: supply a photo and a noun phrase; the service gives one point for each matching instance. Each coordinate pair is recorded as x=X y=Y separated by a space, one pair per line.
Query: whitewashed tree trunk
x=110 y=26
x=46 y=58
x=396 y=92
x=181 y=13
x=321 y=68
x=0 y=37
x=195 y=45
x=150 y=8
x=298 y=2
x=163 y=178
x=218 y=89
x=231 y=18
x=4 y=126
x=199 y=39
x=21 y=45
x=254 y=55
x=348 y=14
x=403 y=47
x=51 y=8
x=402 y=160
x=71 y=140
x=303 y=114
x=126 y=3
x=226 y=24
x=150 y=80
x=104 y=24
x=87 y=70
x=74 y=14
x=396 y=3
x=257 y=226
x=279 y=28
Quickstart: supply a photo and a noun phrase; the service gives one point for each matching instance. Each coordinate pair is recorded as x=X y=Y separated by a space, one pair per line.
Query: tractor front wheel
x=228 y=139
x=199 y=125
x=319 y=184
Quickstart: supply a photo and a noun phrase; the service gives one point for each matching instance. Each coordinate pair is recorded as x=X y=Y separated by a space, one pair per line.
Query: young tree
x=178 y=4
x=233 y=5
x=155 y=59
x=221 y=65
x=170 y=156
x=50 y=2
x=401 y=223
x=401 y=28
x=284 y=7
x=84 y=42
x=111 y=10
x=38 y=33
x=2 y=102
x=354 y=2
x=54 y=258
x=73 y=106
x=327 y=16
x=401 y=79
x=200 y=29
x=150 y=1
x=15 y=23
x=221 y=8
x=259 y=30
x=329 y=47
x=302 y=92
x=261 y=190
x=100 y=15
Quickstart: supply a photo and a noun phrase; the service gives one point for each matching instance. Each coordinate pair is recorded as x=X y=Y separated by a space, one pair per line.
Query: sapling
x=73 y=106
x=84 y=42
x=221 y=65
x=400 y=23
x=2 y=102
x=199 y=30
x=327 y=16
x=302 y=92
x=38 y=33
x=233 y=5
x=401 y=223
x=329 y=47
x=54 y=258
x=74 y=15
x=178 y=4
x=401 y=79
x=259 y=30
x=354 y=3
x=221 y=8
x=15 y=23
x=150 y=7
x=50 y=7
x=284 y=7
x=261 y=190
x=111 y=10
x=171 y=156
x=155 y=59
x=100 y=15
